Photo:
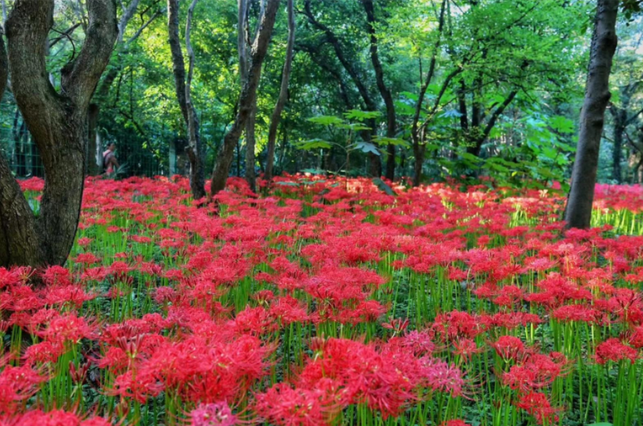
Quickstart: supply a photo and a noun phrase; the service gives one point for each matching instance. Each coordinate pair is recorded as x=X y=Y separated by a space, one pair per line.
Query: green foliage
x=481 y=53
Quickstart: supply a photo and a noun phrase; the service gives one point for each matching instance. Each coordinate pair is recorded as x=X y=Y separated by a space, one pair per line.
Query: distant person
x=110 y=163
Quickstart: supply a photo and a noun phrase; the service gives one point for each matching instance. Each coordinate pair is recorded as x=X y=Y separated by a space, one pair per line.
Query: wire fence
x=19 y=149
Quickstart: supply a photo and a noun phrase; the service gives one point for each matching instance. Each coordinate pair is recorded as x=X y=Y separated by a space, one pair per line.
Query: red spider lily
x=68 y=328
x=537 y=404
x=466 y=348
x=56 y=418
x=213 y=414
x=455 y=324
x=289 y=310
x=138 y=385
x=17 y=384
x=283 y=405
x=509 y=348
x=614 y=350
x=398 y=325
x=536 y=372
x=43 y=352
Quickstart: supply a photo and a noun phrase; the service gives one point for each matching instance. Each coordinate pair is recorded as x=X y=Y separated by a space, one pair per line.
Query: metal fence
x=19 y=149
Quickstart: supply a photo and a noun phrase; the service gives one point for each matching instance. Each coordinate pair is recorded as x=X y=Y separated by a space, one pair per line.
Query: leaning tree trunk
x=183 y=95
x=381 y=85
x=57 y=123
x=283 y=93
x=246 y=99
x=375 y=166
x=578 y=211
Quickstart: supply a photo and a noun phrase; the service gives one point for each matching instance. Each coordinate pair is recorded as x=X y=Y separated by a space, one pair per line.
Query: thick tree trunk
x=247 y=98
x=183 y=95
x=57 y=122
x=18 y=237
x=578 y=211
x=381 y=85
x=283 y=93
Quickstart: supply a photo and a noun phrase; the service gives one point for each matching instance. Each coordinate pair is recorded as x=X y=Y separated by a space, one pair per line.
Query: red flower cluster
x=326 y=301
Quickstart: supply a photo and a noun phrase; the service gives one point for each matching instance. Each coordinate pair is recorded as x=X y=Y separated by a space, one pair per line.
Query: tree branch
x=80 y=77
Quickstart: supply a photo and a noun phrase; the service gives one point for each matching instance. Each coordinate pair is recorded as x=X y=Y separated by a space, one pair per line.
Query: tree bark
x=195 y=146
x=620 y=118
x=244 y=60
x=57 y=123
x=283 y=93
x=418 y=146
x=246 y=99
x=92 y=167
x=18 y=237
x=381 y=85
x=578 y=211
x=183 y=85
x=250 y=175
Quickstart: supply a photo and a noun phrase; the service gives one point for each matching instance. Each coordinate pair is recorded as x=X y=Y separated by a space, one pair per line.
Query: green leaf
x=600 y=424
x=410 y=95
x=450 y=113
x=313 y=144
x=353 y=126
x=361 y=115
x=382 y=140
x=561 y=124
x=383 y=186
x=326 y=120
x=365 y=147
x=470 y=157
x=404 y=108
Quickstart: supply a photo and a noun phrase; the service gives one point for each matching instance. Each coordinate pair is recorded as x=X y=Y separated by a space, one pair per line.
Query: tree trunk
x=92 y=166
x=381 y=85
x=250 y=174
x=478 y=141
x=246 y=99
x=418 y=146
x=418 y=152
x=244 y=60
x=183 y=94
x=375 y=164
x=57 y=122
x=617 y=152
x=578 y=211
x=283 y=93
